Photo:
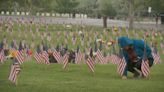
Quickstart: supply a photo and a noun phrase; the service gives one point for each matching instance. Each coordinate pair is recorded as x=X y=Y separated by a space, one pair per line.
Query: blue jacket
x=138 y=47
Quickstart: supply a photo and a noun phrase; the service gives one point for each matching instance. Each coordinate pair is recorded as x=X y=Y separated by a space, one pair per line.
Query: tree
x=133 y=7
x=106 y=10
x=65 y=6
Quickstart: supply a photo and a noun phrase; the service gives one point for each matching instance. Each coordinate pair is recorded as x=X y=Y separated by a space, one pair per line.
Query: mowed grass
x=77 y=78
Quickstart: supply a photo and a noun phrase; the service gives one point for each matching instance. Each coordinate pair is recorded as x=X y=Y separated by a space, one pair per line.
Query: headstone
x=42 y=14
x=27 y=13
x=12 y=13
x=18 y=13
x=47 y=14
x=85 y=16
x=22 y=13
x=7 y=13
x=37 y=14
x=57 y=15
x=2 y=12
x=67 y=15
x=53 y=14
x=82 y=15
x=63 y=15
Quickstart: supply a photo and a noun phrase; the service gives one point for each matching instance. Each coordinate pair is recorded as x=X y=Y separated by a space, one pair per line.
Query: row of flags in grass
x=90 y=61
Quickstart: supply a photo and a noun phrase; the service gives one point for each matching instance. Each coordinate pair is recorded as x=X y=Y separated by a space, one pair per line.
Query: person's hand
x=124 y=77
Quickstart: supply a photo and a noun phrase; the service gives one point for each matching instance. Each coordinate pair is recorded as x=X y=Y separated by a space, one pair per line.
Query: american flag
x=45 y=57
x=121 y=66
x=65 y=60
x=100 y=57
x=107 y=58
x=57 y=56
x=15 y=70
x=114 y=59
x=78 y=57
x=2 y=56
x=145 y=65
x=121 y=63
x=90 y=64
x=38 y=57
x=156 y=56
x=20 y=57
x=162 y=47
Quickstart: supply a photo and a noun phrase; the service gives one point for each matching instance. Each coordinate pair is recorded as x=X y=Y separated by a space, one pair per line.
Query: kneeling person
x=133 y=51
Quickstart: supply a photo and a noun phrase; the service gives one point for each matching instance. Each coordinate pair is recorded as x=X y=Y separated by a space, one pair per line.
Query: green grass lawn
x=77 y=78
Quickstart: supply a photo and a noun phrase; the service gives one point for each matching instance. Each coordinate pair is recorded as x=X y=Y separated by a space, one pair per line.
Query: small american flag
x=20 y=57
x=15 y=70
x=107 y=58
x=162 y=47
x=121 y=63
x=114 y=59
x=156 y=56
x=145 y=65
x=45 y=57
x=145 y=68
x=121 y=66
x=78 y=57
x=38 y=57
x=65 y=61
x=100 y=57
x=90 y=64
x=2 y=56
x=57 y=56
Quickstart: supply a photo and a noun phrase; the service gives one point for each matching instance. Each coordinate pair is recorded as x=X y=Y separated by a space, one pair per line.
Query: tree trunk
x=131 y=14
x=105 y=21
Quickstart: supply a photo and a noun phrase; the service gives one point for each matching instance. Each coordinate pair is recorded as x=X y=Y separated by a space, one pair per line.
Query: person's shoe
x=124 y=77
x=137 y=73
